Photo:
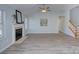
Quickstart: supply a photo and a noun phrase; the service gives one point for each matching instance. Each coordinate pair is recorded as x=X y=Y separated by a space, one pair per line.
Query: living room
x=38 y=25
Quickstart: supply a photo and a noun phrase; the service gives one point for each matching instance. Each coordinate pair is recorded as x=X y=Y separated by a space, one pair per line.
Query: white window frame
x=2 y=24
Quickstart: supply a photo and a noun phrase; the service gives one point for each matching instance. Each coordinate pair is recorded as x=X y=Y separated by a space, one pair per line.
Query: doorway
x=61 y=23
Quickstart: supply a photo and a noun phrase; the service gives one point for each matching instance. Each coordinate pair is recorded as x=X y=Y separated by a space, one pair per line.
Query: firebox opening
x=18 y=34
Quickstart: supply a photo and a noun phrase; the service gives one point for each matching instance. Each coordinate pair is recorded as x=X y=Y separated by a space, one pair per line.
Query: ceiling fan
x=44 y=8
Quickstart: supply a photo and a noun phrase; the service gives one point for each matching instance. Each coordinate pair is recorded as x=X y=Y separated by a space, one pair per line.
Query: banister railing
x=72 y=24
x=74 y=29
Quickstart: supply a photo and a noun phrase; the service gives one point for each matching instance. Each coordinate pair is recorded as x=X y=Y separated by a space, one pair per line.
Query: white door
x=61 y=23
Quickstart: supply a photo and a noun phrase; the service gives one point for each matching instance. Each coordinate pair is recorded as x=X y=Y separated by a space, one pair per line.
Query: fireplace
x=18 y=33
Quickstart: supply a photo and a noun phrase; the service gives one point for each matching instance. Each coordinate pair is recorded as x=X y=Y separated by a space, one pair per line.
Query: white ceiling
x=29 y=9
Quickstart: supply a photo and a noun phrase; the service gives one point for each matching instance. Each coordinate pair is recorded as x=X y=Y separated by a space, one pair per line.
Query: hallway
x=45 y=44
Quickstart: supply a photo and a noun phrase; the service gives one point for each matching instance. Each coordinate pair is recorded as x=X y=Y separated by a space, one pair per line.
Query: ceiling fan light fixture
x=43 y=10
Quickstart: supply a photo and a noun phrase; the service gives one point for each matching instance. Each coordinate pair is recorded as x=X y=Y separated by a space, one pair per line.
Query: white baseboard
x=45 y=33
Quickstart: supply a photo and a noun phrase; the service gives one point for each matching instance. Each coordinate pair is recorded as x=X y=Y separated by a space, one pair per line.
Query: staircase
x=74 y=29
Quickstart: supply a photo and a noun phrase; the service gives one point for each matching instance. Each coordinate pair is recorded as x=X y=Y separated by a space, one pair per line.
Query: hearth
x=18 y=33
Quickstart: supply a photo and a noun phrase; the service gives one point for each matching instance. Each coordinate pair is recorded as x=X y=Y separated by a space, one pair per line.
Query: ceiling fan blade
x=47 y=7
x=41 y=8
x=49 y=10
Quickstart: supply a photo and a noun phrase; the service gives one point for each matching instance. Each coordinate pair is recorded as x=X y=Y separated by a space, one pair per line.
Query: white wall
x=26 y=25
x=53 y=23
x=7 y=39
x=74 y=15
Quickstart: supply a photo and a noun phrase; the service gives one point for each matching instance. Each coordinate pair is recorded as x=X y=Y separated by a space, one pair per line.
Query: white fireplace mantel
x=18 y=26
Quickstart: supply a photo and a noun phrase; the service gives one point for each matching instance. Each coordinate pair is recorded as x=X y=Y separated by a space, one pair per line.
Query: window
x=1 y=24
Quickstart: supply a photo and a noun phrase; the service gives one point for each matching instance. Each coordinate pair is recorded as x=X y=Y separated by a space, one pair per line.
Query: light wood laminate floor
x=46 y=44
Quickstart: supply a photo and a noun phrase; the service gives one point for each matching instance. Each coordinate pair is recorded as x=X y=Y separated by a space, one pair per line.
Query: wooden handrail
x=71 y=30
x=72 y=23
x=75 y=32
